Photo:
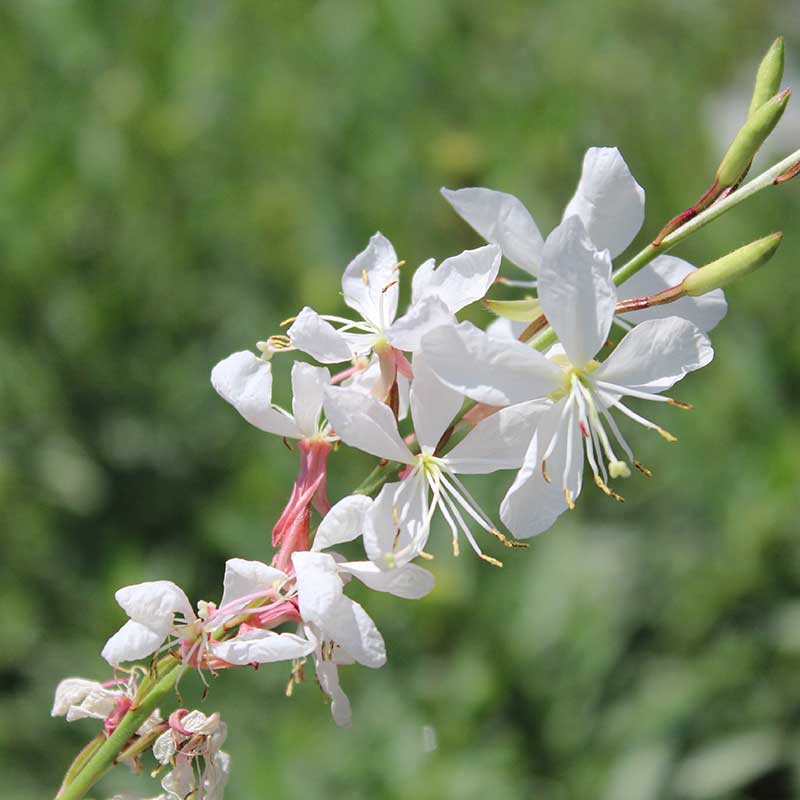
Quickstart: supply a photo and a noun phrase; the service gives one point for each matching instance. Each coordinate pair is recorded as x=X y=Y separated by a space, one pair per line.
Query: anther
x=426 y=556
x=398 y=265
x=389 y=286
x=287 y=321
x=646 y=472
x=568 y=498
x=607 y=490
x=287 y=444
x=685 y=406
x=365 y=277
x=456 y=548
x=505 y=541
x=667 y=435
x=544 y=471
x=489 y=560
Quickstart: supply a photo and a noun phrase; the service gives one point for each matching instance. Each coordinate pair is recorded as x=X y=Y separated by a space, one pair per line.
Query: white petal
x=353 y=630
x=71 y=692
x=328 y=677
x=365 y=280
x=499 y=441
x=363 y=422
x=502 y=220
x=132 y=642
x=308 y=386
x=608 y=200
x=460 y=280
x=198 y=722
x=656 y=354
x=164 y=747
x=343 y=523
x=98 y=704
x=532 y=504
x=319 y=586
x=394 y=532
x=311 y=334
x=576 y=291
x=504 y=329
x=488 y=370
x=262 y=647
x=433 y=405
x=409 y=581
x=244 y=578
x=662 y=273
x=407 y=332
x=245 y=381
x=154 y=602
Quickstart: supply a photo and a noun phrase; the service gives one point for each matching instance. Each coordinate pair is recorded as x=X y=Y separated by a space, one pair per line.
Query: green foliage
x=176 y=179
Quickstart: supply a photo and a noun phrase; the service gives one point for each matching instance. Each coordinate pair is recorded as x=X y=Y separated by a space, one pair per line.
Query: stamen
x=644 y=421
x=389 y=286
x=287 y=321
x=489 y=560
x=608 y=491
x=568 y=498
x=685 y=406
x=646 y=472
x=398 y=265
x=365 y=277
x=544 y=472
x=505 y=541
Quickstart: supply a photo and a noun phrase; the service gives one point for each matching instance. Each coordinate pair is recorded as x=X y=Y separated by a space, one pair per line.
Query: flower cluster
x=550 y=385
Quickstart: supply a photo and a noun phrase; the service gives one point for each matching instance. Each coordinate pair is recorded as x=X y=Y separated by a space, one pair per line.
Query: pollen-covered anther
x=389 y=286
x=365 y=277
x=490 y=560
x=568 y=498
x=619 y=469
x=667 y=435
x=505 y=541
x=398 y=265
x=646 y=472
x=684 y=406
x=287 y=321
x=425 y=555
x=544 y=472
x=605 y=489
x=456 y=547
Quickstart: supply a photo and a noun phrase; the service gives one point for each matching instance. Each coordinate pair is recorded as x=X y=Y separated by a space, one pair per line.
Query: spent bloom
x=579 y=299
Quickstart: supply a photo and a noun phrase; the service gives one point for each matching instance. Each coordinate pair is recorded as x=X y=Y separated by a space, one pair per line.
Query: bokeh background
x=176 y=178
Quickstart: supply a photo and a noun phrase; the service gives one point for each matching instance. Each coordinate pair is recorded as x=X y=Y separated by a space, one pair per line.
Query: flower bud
x=721 y=272
x=768 y=77
x=516 y=310
x=750 y=137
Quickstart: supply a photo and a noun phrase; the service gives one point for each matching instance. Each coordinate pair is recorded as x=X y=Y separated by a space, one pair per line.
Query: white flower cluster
x=433 y=399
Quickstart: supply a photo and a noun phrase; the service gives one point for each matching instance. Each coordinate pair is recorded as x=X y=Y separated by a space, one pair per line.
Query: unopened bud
x=751 y=136
x=768 y=77
x=516 y=310
x=721 y=272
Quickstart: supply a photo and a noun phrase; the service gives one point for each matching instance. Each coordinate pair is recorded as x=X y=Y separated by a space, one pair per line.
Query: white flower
x=610 y=203
x=159 y=610
x=578 y=299
x=245 y=381
x=370 y=287
x=431 y=483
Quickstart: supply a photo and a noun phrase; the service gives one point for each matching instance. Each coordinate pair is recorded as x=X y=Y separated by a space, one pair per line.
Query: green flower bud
x=525 y=310
x=721 y=272
x=751 y=136
x=768 y=77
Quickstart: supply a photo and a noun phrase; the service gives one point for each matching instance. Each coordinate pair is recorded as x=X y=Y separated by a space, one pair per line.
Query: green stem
x=103 y=759
x=80 y=760
x=763 y=181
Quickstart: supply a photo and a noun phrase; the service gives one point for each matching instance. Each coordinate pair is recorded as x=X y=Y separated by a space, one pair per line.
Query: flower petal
x=433 y=404
x=502 y=220
x=394 y=526
x=245 y=381
x=706 y=311
x=365 y=280
x=353 y=630
x=311 y=334
x=533 y=504
x=488 y=370
x=71 y=692
x=608 y=200
x=363 y=422
x=244 y=578
x=407 y=332
x=575 y=290
x=499 y=441
x=343 y=523
x=154 y=603
x=460 y=280
x=328 y=677
x=308 y=387
x=409 y=581
x=655 y=355
x=132 y=642
x=262 y=647
x=319 y=586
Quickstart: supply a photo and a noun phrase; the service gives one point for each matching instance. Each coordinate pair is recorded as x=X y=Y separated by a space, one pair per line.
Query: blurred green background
x=176 y=178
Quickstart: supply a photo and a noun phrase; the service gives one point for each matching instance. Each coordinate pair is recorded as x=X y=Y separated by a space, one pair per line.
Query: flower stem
x=105 y=756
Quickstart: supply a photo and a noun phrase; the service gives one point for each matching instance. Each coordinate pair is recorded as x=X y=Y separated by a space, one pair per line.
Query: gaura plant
x=553 y=383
